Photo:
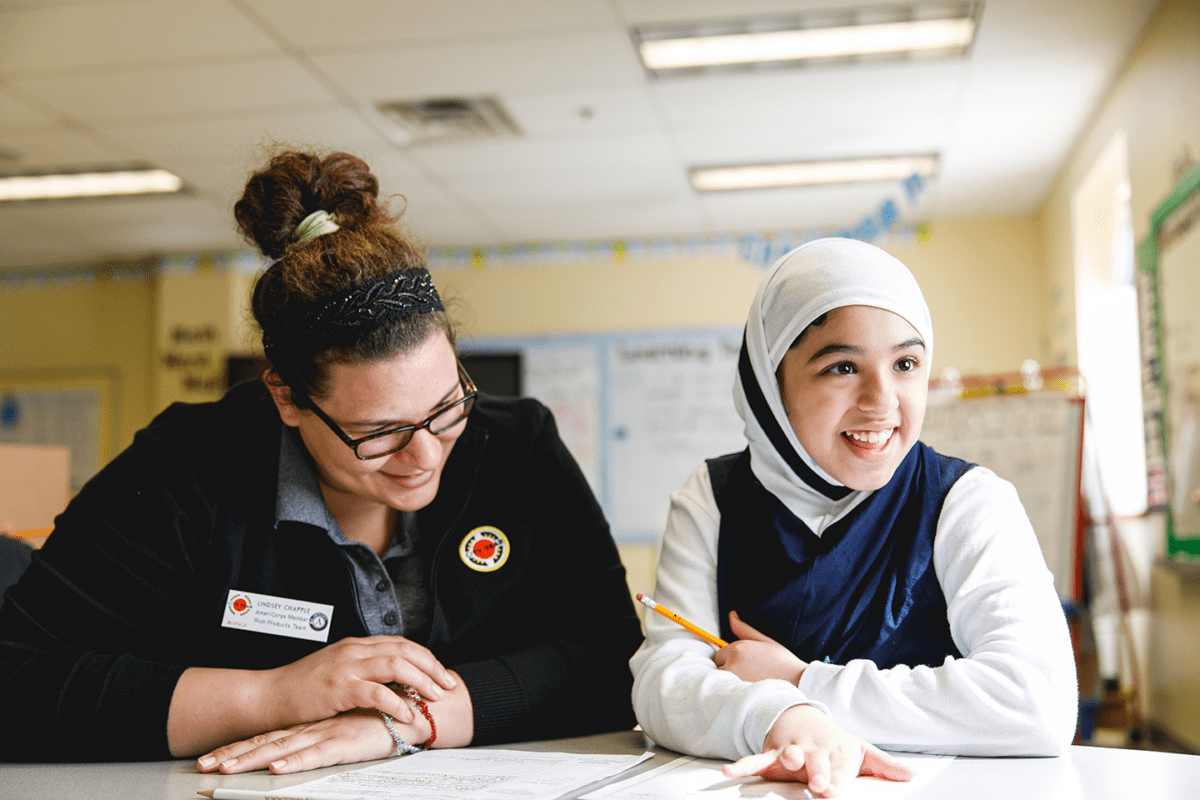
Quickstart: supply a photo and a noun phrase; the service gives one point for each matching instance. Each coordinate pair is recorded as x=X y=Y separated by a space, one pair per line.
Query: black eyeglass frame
x=469 y=395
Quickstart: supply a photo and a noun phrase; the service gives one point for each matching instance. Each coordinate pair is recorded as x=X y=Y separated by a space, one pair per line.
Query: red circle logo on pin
x=239 y=604
x=484 y=549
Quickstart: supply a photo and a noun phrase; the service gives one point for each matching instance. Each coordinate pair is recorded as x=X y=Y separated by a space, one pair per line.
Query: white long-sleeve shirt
x=1013 y=692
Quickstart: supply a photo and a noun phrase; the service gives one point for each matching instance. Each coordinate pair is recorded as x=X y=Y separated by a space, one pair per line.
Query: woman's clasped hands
x=325 y=708
x=804 y=744
x=355 y=673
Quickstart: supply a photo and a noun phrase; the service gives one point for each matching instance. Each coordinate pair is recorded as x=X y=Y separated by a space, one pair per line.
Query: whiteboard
x=672 y=407
x=1032 y=440
x=566 y=377
x=639 y=411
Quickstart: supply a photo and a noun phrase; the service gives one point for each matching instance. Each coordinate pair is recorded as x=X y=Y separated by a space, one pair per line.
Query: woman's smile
x=413 y=480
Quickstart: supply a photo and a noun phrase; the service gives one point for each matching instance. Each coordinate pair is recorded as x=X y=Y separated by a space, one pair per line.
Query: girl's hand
x=756 y=657
x=806 y=745
x=354 y=673
x=358 y=735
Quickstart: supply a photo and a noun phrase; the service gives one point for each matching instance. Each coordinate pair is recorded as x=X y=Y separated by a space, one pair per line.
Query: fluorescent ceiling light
x=811 y=173
x=88 y=184
x=924 y=27
x=797 y=45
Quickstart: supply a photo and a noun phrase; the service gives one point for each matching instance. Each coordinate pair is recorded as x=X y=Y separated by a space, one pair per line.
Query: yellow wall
x=982 y=278
x=598 y=297
x=202 y=316
x=1174 y=686
x=99 y=327
x=191 y=338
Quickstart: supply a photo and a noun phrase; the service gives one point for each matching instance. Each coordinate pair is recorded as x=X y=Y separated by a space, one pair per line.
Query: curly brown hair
x=368 y=245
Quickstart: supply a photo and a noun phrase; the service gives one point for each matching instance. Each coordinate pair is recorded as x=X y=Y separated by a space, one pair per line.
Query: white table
x=1085 y=773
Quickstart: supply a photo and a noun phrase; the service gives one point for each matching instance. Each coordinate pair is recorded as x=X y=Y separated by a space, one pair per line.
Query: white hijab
x=802 y=285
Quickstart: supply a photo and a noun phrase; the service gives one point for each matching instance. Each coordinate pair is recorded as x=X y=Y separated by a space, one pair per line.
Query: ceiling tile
x=976 y=189
x=634 y=216
x=62 y=38
x=803 y=95
x=96 y=229
x=190 y=92
x=313 y=23
x=575 y=61
x=521 y=158
x=15 y=114
x=583 y=112
x=798 y=209
x=58 y=148
x=835 y=136
x=251 y=132
x=151 y=225
x=1045 y=81
x=1031 y=27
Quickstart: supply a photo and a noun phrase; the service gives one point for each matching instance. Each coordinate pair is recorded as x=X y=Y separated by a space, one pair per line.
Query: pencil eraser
x=639 y=596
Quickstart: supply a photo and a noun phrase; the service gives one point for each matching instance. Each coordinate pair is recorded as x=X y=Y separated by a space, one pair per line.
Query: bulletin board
x=640 y=411
x=1034 y=439
x=74 y=410
x=1169 y=282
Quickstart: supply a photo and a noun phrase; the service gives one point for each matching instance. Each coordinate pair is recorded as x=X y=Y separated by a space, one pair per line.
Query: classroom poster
x=65 y=416
x=672 y=407
x=638 y=411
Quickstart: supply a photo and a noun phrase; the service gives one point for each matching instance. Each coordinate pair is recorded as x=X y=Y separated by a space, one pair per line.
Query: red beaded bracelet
x=423 y=707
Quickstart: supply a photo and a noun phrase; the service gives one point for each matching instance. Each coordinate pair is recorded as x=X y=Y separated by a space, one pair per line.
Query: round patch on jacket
x=484 y=549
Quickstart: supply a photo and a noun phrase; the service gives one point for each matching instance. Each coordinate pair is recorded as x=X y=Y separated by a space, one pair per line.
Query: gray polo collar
x=298 y=498
x=298 y=495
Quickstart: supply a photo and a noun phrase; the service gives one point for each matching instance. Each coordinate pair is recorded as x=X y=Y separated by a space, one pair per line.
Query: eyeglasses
x=384 y=443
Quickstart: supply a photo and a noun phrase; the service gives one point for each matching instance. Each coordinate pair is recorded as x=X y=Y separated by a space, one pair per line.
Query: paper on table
x=476 y=774
x=688 y=778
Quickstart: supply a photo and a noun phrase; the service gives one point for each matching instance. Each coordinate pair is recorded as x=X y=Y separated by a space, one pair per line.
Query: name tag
x=265 y=613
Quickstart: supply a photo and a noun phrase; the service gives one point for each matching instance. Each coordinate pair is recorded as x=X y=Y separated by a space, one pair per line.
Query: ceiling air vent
x=444 y=120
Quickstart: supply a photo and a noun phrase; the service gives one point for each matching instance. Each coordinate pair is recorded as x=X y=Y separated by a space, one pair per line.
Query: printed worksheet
x=688 y=778
x=474 y=774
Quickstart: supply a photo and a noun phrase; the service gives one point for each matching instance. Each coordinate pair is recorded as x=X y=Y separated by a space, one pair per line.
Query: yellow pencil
x=678 y=620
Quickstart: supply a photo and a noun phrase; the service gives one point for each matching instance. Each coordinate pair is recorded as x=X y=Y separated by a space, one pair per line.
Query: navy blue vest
x=865 y=588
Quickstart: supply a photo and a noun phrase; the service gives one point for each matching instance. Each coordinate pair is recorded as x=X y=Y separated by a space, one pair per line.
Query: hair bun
x=293 y=185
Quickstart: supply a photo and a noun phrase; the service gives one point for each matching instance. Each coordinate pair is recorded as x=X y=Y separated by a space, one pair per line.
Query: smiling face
x=366 y=398
x=854 y=389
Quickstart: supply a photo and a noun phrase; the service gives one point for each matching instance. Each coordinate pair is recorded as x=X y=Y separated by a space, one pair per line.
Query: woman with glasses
x=355 y=557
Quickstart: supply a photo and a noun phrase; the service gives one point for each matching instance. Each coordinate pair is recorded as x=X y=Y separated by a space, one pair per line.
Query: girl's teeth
x=872 y=437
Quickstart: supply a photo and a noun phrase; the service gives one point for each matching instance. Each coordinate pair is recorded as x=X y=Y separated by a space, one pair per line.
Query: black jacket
x=130 y=588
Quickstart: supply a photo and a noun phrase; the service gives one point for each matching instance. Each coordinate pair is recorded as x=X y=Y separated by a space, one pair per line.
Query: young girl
x=881 y=595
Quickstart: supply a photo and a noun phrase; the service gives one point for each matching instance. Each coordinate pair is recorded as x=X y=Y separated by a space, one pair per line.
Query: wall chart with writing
x=1033 y=440
x=638 y=411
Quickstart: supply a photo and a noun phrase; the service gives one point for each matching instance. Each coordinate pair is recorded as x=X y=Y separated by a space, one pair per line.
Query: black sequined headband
x=355 y=312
